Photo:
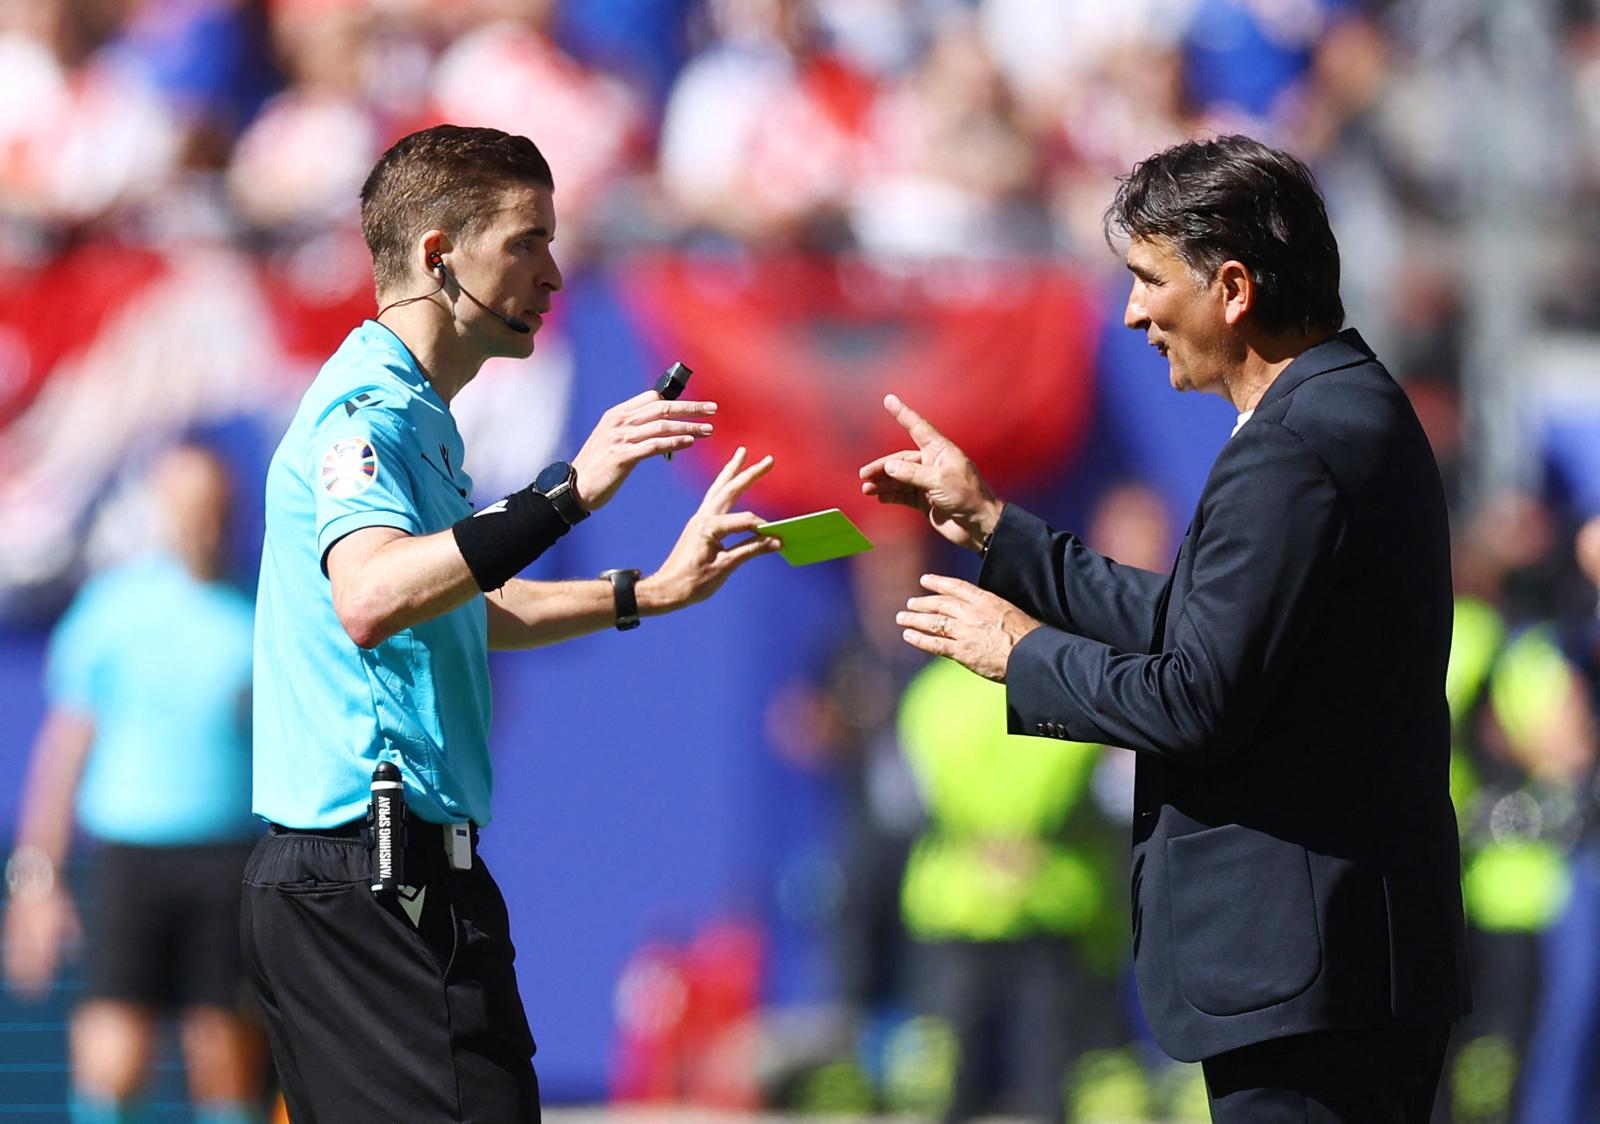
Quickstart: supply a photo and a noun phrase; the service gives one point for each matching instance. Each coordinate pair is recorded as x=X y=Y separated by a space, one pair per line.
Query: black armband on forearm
x=499 y=541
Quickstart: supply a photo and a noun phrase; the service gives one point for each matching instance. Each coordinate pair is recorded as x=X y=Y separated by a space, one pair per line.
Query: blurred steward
x=1523 y=737
x=1558 y=1085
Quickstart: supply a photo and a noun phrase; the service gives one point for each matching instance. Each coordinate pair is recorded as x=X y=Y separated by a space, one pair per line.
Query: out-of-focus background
x=758 y=856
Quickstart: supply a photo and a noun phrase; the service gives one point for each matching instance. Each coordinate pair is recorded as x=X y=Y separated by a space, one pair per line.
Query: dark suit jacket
x=1296 y=865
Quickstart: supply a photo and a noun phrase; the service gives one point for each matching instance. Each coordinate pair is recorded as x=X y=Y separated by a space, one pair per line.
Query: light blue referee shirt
x=160 y=662
x=372 y=445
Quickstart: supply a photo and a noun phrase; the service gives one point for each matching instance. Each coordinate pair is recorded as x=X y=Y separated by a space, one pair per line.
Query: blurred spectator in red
x=300 y=166
x=952 y=172
x=1099 y=87
x=82 y=131
x=765 y=129
x=506 y=71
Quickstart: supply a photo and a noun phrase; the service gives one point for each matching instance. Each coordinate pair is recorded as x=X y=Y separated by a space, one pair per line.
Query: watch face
x=552 y=477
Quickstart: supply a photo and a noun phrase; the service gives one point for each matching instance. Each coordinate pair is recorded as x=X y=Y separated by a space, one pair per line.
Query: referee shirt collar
x=381 y=335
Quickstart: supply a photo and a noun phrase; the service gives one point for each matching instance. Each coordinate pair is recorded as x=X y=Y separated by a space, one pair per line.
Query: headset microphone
x=436 y=260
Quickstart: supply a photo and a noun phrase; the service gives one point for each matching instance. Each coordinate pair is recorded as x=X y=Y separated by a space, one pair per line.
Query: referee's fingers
x=725 y=473
x=739 y=484
x=736 y=556
x=721 y=526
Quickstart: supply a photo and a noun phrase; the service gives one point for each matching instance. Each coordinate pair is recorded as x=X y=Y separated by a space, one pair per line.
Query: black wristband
x=499 y=541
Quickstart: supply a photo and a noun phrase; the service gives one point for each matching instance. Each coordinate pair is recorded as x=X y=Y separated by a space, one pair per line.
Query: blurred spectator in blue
x=765 y=130
x=1285 y=69
x=1559 y=1086
x=146 y=745
x=953 y=172
x=210 y=60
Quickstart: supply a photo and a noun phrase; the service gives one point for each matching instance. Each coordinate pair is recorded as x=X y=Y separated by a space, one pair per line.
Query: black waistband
x=355 y=829
x=417 y=831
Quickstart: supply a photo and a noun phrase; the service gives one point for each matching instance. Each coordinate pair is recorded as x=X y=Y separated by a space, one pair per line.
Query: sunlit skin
x=510 y=266
x=1203 y=326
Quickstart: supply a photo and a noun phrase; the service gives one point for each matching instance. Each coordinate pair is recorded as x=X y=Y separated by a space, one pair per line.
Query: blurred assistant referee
x=381 y=593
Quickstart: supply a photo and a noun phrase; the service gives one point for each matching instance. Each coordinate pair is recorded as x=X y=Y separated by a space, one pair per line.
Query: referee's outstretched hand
x=936 y=478
x=643 y=426
x=699 y=562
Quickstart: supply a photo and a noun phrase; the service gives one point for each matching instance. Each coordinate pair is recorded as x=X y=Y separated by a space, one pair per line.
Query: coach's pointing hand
x=630 y=431
x=935 y=477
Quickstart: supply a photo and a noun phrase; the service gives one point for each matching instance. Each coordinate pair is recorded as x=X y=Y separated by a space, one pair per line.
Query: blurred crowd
x=187 y=172
x=210 y=152
x=905 y=128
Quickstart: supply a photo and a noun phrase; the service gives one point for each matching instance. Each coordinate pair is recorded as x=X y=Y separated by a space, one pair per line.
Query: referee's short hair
x=448 y=177
x=1234 y=198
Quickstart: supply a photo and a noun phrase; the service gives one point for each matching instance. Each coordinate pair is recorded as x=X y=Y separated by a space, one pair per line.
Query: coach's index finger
x=921 y=430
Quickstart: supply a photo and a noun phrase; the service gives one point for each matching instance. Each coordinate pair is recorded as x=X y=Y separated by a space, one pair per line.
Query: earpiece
x=435 y=259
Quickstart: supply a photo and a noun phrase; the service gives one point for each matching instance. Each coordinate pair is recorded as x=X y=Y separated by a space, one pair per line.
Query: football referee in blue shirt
x=381 y=593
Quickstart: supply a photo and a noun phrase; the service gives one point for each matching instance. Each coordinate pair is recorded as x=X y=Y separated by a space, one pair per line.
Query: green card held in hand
x=819 y=537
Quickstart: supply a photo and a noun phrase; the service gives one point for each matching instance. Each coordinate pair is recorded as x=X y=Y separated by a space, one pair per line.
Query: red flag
x=799 y=352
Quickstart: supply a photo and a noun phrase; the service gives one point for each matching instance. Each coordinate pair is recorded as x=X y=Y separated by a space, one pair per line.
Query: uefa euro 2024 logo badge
x=348 y=467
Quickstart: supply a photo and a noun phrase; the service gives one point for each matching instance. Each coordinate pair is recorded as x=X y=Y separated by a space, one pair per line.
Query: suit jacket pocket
x=1244 y=922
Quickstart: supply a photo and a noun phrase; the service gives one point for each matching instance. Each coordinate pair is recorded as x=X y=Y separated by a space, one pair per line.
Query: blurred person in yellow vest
x=1559 y=1084
x=1014 y=888
x=1523 y=734
x=996 y=890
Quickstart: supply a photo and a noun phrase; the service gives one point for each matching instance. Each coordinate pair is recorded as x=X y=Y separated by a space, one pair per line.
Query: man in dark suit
x=1297 y=916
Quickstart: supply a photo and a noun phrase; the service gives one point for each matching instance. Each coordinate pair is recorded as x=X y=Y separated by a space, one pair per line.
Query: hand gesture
x=936 y=477
x=699 y=562
x=966 y=624
x=630 y=431
x=39 y=928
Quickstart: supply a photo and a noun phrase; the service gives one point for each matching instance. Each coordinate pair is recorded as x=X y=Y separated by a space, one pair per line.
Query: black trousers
x=1020 y=1013
x=374 y=1016
x=1386 y=1076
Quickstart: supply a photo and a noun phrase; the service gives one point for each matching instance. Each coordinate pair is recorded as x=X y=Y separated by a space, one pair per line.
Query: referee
x=381 y=593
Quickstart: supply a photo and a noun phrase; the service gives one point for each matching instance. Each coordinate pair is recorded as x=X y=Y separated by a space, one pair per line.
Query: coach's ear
x=1238 y=290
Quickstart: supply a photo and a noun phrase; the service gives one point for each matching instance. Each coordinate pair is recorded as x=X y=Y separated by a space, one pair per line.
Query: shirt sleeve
x=74 y=660
x=361 y=471
x=1265 y=565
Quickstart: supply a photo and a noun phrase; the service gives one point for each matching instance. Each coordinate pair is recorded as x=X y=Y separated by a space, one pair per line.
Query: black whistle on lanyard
x=670 y=385
x=386 y=821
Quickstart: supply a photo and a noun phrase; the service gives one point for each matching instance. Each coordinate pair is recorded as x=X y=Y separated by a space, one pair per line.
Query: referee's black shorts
x=374 y=1017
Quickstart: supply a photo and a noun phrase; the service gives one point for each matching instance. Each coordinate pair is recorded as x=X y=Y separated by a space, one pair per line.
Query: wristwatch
x=559 y=483
x=622 y=582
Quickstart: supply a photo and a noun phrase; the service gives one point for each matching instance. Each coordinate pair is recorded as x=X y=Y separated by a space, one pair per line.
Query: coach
x=1297 y=917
